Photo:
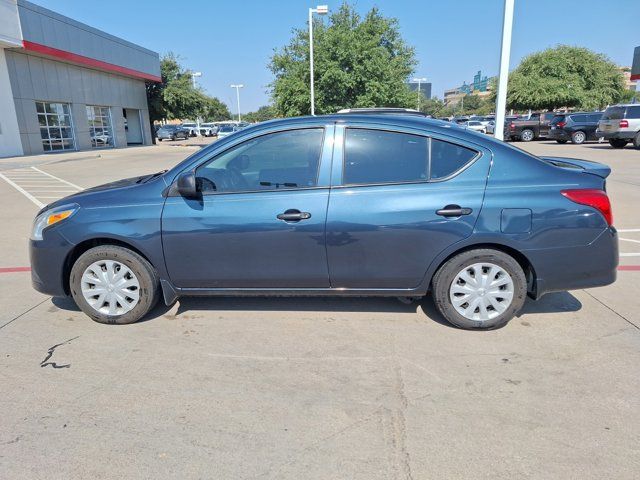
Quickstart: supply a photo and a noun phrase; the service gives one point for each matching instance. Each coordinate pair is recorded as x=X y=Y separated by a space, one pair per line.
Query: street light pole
x=193 y=80
x=419 y=81
x=320 y=10
x=238 y=86
x=503 y=79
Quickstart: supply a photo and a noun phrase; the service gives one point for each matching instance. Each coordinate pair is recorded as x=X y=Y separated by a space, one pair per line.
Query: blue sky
x=231 y=41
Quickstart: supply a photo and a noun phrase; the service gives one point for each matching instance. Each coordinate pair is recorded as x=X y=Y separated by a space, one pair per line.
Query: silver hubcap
x=110 y=287
x=579 y=137
x=481 y=291
x=527 y=135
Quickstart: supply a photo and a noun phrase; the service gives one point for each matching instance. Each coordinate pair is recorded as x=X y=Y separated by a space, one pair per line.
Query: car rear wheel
x=617 y=143
x=561 y=141
x=112 y=284
x=636 y=141
x=479 y=289
x=527 y=135
x=578 y=137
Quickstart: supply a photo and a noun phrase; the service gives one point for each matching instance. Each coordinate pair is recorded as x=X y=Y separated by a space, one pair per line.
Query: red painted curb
x=15 y=269
x=629 y=268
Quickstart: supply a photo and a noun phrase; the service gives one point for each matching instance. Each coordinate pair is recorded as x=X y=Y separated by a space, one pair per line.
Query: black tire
x=617 y=142
x=636 y=141
x=562 y=142
x=578 y=137
x=527 y=135
x=144 y=272
x=173 y=138
x=159 y=139
x=444 y=277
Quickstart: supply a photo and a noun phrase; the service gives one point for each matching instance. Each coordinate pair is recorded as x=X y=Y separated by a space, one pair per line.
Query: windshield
x=613 y=113
x=226 y=128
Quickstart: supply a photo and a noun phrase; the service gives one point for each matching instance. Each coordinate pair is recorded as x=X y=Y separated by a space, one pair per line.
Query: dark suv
x=577 y=127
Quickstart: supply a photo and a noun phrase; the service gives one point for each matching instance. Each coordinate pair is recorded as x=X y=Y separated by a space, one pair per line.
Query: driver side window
x=282 y=160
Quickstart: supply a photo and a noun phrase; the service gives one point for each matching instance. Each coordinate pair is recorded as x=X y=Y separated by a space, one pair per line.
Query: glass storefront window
x=55 y=126
x=100 y=126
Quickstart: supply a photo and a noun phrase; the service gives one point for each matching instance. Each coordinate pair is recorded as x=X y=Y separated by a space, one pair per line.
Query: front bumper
x=48 y=263
x=572 y=268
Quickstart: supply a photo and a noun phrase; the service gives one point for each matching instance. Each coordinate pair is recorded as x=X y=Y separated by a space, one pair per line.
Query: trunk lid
x=573 y=164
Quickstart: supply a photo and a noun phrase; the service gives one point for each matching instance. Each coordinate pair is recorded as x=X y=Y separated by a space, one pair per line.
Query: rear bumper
x=572 y=268
x=619 y=135
x=48 y=258
x=558 y=134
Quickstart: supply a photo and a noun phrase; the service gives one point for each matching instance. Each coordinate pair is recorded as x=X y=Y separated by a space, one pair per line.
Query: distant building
x=630 y=82
x=425 y=88
x=67 y=86
x=635 y=69
x=480 y=86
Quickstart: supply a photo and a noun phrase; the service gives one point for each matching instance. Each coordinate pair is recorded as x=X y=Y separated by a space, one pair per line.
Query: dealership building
x=67 y=86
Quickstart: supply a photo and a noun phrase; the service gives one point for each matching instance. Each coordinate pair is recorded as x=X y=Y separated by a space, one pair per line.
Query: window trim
x=284 y=130
x=71 y=126
x=429 y=137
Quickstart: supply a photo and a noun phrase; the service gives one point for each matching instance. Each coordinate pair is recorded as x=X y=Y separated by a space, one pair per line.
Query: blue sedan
x=376 y=205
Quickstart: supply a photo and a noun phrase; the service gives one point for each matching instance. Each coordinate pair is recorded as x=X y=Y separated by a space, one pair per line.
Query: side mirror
x=187 y=185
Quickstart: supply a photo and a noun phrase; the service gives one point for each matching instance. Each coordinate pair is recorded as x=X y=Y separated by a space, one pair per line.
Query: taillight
x=512 y=126
x=561 y=124
x=592 y=197
x=624 y=124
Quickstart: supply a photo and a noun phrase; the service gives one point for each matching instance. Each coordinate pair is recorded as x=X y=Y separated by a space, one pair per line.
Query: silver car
x=620 y=124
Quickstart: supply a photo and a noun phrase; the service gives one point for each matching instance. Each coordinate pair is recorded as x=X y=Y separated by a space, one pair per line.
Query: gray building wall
x=35 y=78
x=49 y=28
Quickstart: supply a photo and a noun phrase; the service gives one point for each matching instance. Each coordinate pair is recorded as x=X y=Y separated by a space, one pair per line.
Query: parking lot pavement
x=293 y=388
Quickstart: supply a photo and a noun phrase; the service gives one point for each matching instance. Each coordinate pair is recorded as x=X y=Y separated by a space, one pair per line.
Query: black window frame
x=428 y=136
x=274 y=190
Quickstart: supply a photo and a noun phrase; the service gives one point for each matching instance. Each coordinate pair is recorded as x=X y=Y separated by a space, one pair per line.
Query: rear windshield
x=613 y=113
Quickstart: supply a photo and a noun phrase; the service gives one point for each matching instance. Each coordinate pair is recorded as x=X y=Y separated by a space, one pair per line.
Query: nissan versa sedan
x=366 y=205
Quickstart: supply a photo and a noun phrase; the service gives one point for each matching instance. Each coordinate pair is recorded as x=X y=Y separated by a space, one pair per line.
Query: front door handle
x=454 y=211
x=293 y=215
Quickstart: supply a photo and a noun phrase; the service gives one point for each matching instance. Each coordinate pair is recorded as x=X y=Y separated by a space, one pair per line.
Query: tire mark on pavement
x=45 y=362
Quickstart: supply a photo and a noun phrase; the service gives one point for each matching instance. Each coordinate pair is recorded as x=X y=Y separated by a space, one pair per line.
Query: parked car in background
x=363 y=205
x=460 y=120
x=192 y=128
x=491 y=127
x=531 y=128
x=227 y=129
x=475 y=126
x=208 y=129
x=577 y=127
x=172 y=132
x=620 y=124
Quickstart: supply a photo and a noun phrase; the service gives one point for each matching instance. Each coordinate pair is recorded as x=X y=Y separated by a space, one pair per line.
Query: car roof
x=382 y=110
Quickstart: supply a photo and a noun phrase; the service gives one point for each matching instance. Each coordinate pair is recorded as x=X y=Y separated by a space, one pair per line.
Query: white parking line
x=23 y=191
x=629 y=254
x=37 y=185
x=628 y=240
x=628 y=230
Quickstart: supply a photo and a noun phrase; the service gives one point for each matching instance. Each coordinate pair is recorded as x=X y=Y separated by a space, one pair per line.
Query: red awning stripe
x=87 y=61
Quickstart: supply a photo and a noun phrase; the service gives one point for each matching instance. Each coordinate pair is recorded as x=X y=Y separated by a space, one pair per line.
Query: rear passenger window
x=447 y=158
x=595 y=117
x=633 y=111
x=579 y=118
x=376 y=156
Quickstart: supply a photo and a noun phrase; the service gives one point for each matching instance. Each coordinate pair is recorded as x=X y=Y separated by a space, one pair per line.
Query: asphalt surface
x=297 y=388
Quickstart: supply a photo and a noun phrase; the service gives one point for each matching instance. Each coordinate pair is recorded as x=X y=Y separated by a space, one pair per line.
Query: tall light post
x=320 y=10
x=193 y=80
x=419 y=82
x=503 y=79
x=238 y=86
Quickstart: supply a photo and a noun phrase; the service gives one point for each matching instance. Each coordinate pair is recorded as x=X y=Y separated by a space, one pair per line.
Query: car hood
x=587 y=166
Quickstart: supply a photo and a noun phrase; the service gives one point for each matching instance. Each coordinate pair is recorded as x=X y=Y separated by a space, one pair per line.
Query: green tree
x=359 y=62
x=564 y=76
x=264 y=113
x=176 y=98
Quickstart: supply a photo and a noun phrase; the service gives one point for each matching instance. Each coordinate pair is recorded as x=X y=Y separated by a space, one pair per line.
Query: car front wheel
x=479 y=289
x=112 y=284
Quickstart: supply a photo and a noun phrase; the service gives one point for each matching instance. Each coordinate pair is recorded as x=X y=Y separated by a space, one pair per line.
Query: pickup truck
x=536 y=126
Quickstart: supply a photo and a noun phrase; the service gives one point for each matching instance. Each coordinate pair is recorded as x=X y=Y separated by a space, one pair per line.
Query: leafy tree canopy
x=263 y=114
x=176 y=98
x=358 y=62
x=565 y=76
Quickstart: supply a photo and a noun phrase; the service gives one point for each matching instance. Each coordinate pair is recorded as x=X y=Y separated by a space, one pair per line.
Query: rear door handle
x=454 y=211
x=293 y=215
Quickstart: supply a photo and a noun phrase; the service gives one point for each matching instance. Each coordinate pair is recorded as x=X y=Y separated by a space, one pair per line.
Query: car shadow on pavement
x=551 y=303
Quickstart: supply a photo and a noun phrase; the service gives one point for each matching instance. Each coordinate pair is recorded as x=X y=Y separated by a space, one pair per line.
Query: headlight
x=51 y=217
